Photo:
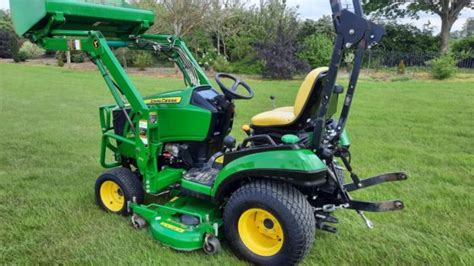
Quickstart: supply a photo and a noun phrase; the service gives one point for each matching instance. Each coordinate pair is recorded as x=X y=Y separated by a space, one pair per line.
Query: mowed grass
x=49 y=150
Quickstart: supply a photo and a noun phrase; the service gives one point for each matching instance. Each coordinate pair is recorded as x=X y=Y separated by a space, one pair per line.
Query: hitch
x=372 y=181
x=322 y=218
x=382 y=206
x=361 y=206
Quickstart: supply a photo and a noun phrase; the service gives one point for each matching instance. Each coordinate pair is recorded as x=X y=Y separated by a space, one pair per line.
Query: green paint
x=182 y=121
x=290 y=139
x=203 y=189
x=300 y=160
x=344 y=139
x=163 y=179
x=29 y=17
x=166 y=226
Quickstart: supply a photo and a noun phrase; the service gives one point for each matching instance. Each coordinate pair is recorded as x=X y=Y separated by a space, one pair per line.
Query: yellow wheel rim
x=112 y=196
x=261 y=232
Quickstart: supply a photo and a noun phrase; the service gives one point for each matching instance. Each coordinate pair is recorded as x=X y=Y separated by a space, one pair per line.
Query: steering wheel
x=232 y=92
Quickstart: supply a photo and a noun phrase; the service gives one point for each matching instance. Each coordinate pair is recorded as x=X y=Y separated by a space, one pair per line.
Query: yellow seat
x=286 y=115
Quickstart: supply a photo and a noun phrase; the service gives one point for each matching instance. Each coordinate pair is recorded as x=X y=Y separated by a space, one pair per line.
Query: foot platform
x=205 y=176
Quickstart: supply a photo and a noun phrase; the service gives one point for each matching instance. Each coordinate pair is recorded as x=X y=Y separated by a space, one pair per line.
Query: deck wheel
x=212 y=245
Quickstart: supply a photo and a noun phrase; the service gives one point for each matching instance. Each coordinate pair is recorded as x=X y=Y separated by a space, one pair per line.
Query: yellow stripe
x=172 y=227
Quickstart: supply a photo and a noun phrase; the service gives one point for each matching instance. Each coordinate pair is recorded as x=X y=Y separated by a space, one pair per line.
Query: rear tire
x=115 y=188
x=270 y=223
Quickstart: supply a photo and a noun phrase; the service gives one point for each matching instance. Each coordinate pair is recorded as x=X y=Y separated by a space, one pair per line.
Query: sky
x=314 y=9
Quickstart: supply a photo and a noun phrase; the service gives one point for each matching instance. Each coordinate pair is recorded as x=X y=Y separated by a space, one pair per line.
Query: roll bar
x=352 y=30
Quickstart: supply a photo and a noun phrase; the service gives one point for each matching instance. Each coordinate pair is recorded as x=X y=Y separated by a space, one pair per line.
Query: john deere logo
x=166 y=100
x=95 y=43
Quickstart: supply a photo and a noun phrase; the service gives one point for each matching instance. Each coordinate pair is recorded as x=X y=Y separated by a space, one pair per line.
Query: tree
x=280 y=56
x=309 y=27
x=9 y=43
x=160 y=26
x=468 y=27
x=408 y=39
x=184 y=15
x=465 y=45
x=5 y=44
x=317 y=50
x=6 y=21
x=219 y=21
x=447 y=10
x=276 y=29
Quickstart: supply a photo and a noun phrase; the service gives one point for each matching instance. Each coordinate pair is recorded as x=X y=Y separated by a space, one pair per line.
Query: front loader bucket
x=116 y=19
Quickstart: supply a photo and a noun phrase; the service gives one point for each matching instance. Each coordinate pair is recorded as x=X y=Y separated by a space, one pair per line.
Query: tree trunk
x=68 y=58
x=225 y=49
x=124 y=59
x=446 y=25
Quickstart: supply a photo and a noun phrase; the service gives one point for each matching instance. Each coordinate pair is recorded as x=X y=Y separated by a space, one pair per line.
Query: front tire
x=269 y=223
x=115 y=188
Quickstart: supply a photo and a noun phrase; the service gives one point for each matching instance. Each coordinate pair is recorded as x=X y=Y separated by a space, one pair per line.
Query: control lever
x=273 y=98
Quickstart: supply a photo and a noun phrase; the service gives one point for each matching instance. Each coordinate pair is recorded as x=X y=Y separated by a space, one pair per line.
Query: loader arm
x=95 y=30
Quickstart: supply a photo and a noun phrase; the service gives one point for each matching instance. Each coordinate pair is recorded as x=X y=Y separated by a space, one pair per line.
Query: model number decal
x=166 y=100
x=172 y=227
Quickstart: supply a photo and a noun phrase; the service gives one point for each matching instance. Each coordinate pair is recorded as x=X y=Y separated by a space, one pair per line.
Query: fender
x=293 y=165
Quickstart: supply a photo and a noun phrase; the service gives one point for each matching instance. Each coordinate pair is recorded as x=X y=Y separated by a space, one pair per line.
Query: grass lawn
x=49 y=150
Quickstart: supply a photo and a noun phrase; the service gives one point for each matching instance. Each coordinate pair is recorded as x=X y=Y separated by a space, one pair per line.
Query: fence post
x=368 y=62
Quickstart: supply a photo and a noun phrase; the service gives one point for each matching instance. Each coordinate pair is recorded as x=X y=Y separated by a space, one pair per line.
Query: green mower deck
x=183 y=223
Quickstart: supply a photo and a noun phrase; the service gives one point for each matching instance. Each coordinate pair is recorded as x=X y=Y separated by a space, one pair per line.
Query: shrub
x=122 y=56
x=15 y=49
x=465 y=45
x=280 y=55
x=22 y=56
x=5 y=43
x=206 y=59
x=443 y=67
x=248 y=67
x=31 y=51
x=401 y=67
x=348 y=60
x=317 y=50
x=60 y=55
x=221 y=64
x=77 y=57
x=143 y=60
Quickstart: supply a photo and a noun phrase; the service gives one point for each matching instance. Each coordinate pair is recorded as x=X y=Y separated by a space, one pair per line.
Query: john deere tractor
x=267 y=195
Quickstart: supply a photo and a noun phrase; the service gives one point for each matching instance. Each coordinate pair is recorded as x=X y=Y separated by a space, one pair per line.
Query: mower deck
x=183 y=223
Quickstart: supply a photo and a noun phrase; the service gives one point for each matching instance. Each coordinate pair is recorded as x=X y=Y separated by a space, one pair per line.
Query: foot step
x=202 y=176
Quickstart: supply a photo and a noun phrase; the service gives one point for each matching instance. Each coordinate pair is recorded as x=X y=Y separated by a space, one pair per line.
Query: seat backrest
x=305 y=90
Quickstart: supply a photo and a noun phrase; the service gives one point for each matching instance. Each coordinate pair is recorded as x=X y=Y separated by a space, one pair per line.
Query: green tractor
x=267 y=195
